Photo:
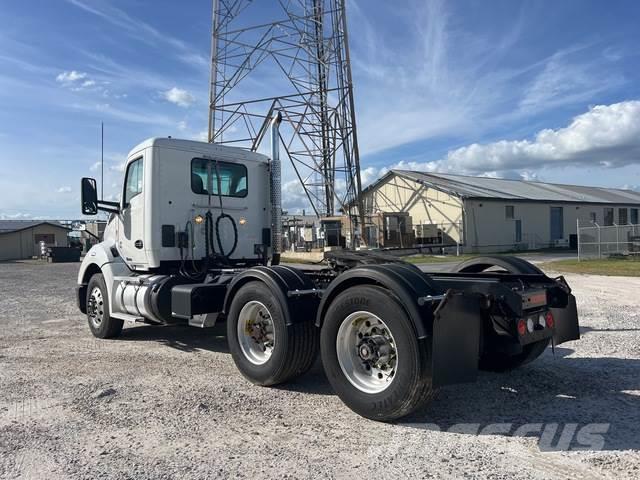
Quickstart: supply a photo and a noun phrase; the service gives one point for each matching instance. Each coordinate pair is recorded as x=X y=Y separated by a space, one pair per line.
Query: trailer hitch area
x=456 y=338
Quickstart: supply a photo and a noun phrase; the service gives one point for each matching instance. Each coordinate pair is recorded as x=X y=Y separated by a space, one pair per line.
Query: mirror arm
x=111 y=207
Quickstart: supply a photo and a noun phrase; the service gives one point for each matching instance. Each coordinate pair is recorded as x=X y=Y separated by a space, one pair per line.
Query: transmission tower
x=298 y=61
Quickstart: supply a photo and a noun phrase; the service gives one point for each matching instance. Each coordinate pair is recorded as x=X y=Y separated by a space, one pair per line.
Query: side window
x=622 y=216
x=608 y=216
x=133 y=180
x=509 y=212
x=204 y=177
x=634 y=216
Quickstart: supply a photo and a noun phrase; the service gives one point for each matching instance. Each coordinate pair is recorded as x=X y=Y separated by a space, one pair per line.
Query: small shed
x=20 y=239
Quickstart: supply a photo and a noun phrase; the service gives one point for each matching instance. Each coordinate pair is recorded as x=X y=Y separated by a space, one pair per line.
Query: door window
x=133 y=180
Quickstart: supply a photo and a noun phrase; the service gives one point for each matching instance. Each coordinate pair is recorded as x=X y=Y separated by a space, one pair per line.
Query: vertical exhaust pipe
x=276 y=190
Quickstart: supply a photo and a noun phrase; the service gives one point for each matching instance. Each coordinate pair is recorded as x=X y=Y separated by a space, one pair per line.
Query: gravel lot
x=167 y=402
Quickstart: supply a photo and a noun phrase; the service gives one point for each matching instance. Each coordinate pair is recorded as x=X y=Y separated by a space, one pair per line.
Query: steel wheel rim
x=359 y=336
x=96 y=307
x=256 y=332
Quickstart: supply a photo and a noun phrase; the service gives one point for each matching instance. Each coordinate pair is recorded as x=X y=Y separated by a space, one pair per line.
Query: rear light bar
x=538 y=321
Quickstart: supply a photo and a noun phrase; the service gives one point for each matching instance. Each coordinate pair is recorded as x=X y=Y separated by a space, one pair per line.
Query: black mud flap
x=566 y=322
x=456 y=339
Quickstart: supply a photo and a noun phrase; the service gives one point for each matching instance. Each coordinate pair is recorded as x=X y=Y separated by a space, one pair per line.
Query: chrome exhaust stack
x=276 y=190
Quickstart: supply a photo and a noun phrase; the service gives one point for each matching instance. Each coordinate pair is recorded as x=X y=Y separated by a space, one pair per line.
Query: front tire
x=372 y=356
x=101 y=323
x=265 y=349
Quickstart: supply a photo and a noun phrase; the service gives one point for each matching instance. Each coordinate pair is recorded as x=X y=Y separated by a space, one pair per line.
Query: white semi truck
x=195 y=239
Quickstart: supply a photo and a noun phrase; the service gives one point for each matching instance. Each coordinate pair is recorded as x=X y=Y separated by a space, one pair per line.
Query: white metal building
x=20 y=239
x=487 y=214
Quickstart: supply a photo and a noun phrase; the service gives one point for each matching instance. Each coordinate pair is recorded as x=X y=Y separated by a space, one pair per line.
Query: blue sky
x=542 y=90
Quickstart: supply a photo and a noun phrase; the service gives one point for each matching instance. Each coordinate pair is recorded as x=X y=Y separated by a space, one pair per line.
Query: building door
x=557 y=223
x=518 y=231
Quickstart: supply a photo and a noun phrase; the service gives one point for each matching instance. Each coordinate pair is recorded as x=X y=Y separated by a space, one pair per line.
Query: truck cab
x=170 y=186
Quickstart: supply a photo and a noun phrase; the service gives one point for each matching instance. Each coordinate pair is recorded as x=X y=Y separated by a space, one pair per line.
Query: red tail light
x=548 y=318
x=522 y=327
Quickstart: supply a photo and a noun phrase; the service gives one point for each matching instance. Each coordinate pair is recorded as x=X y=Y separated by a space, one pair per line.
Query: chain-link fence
x=595 y=241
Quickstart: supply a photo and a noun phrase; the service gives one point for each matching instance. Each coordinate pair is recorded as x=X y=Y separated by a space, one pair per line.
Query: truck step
x=126 y=317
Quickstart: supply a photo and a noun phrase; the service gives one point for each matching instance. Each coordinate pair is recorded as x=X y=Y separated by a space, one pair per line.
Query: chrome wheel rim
x=367 y=352
x=96 y=307
x=256 y=332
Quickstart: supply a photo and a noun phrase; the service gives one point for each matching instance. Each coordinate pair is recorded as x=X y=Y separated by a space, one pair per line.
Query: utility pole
x=101 y=160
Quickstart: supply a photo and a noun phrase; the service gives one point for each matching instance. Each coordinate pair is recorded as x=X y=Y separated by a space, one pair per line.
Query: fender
x=405 y=281
x=280 y=280
x=99 y=259
x=508 y=262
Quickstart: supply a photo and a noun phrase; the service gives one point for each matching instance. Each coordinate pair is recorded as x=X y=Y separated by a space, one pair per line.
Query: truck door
x=131 y=218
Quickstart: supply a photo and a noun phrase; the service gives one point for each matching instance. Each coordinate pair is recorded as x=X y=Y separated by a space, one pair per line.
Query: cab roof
x=199 y=147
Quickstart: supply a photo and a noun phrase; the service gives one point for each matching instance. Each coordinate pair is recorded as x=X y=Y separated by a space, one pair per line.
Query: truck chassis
x=389 y=335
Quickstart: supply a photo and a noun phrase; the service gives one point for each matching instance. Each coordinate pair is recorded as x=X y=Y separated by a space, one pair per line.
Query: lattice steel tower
x=299 y=62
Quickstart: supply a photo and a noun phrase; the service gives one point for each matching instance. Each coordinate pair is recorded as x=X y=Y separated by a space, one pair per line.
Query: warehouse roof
x=500 y=188
x=7 y=226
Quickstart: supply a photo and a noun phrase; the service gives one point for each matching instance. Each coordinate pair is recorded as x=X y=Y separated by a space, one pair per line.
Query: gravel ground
x=167 y=402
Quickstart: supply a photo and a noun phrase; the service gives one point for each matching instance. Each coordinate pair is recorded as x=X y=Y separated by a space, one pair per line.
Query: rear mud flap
x=566 y=322
x=456 y=339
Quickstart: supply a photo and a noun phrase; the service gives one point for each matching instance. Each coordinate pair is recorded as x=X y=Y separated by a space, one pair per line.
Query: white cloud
x=178 y=96
x=563 y=81
x=64 y=189
x=15 y=216
x=77 y=81
x=606 y=136
x=368 y=175
x=453 y=83
x=140 y=30
x=119 y=167
x=70 y=77
x=202 y=136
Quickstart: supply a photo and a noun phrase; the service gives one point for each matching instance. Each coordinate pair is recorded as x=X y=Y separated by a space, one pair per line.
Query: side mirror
x=89 y=196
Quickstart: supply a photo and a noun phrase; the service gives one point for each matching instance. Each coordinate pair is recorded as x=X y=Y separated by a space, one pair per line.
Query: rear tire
x=501 y=362
x=372 y=356
x=265 y=349
x=101 y=323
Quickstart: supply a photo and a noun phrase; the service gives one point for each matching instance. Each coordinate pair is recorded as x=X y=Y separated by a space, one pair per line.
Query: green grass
x=623 y=267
